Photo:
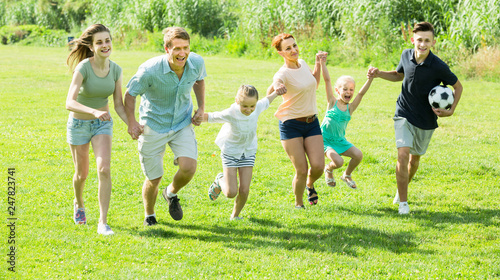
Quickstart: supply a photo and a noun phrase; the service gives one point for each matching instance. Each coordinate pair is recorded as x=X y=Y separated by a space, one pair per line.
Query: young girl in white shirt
x=237 y=140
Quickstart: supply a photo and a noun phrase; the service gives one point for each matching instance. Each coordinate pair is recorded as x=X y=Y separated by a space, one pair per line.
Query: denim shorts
x=80 y=132
x=292 y=129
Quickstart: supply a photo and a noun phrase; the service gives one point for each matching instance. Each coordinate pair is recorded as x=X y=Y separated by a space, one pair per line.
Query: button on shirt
x=419 y=79
x=238 y=135
x=166 y=103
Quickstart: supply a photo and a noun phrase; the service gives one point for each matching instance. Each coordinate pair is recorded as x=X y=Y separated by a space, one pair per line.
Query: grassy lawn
x=452 y=232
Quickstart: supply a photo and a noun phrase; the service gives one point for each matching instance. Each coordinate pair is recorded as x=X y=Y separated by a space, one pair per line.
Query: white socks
x=170 y=195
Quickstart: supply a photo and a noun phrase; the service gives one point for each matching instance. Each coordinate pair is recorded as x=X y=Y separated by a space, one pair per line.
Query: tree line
x=380 y=27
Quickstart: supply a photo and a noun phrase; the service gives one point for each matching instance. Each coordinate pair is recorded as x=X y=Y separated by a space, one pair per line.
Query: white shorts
x=408 y=135
x=152 y=147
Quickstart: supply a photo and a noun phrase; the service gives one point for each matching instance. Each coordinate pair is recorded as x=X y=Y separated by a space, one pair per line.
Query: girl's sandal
x=312 y=196
x=215 y=186
x=351 y=184
x=329 y=181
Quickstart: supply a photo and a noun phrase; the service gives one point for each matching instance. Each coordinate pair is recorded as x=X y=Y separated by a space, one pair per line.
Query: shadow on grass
x=257 y=233
x=435 y=219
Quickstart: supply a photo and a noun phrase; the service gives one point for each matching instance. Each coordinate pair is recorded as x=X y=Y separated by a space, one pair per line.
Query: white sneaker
x=404 y=209
x=104 y=229
x=396 y=198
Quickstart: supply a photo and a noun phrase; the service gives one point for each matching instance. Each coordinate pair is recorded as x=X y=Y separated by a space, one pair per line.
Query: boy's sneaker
x=79 y=215
x=396 y=198
x=150 y=221
x=104 y=229
x=174 y=207
x=404 y=209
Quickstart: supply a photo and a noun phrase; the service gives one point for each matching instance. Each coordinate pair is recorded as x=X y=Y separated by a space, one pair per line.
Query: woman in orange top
x=300 y=131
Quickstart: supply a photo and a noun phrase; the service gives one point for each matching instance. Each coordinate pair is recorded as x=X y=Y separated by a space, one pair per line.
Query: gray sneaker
x=174 y=207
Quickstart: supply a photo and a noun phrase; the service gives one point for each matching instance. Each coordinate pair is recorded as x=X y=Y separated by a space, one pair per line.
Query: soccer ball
x=441 y=97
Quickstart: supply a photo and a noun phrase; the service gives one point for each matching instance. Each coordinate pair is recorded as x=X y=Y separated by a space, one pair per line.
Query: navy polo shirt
x=419 y=79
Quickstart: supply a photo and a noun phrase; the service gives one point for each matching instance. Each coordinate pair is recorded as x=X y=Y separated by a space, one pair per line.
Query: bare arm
x=272 y=96
x=134 y=128
x=359 y=96
x=278 y=86
x=317 y=70
x=330 y=97
x=199 y=91
x=205 y=117
x=392 y=76
x=75 y=106
x=118 y=100
x=458 y=88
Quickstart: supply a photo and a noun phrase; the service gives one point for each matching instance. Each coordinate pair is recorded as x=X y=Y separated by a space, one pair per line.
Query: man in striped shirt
x=164 y=84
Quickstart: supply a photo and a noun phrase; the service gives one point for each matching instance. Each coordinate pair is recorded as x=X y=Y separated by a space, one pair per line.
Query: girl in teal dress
x=334 y=124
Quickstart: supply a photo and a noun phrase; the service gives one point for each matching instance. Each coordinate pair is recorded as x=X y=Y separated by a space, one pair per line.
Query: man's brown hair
x=423 y=26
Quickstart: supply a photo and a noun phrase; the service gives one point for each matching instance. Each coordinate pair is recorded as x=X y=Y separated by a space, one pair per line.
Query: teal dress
x=333 y=128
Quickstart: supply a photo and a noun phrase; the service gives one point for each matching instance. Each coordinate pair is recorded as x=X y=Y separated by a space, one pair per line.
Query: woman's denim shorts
x=292 y=129
x=80 y=132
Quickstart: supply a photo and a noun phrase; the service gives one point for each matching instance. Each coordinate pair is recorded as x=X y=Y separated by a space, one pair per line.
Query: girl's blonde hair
x=247 y=91
x=82 y=48
x=342 y=80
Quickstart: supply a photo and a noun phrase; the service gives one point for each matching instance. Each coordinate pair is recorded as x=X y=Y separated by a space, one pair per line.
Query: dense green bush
x=359 y=32
x=32 y=34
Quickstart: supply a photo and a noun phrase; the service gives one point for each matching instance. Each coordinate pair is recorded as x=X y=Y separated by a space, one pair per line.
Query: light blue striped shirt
x=165 y=100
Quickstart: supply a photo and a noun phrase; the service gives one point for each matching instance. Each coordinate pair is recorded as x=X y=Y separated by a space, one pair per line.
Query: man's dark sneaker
x=174 y=208
x=150 y=221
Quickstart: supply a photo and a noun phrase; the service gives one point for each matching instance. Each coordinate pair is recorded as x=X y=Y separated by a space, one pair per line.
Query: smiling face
x=101 y=44
x=345 y=90
x=289 y=49
x=247 y=104
x=423 y=42
x=178 y=53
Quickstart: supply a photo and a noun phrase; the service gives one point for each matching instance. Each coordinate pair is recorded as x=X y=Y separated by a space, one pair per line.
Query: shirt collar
x=166 y=66
x=428 y=59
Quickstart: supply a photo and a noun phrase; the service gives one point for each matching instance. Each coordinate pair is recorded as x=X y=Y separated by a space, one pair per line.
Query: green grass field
x=452 y=232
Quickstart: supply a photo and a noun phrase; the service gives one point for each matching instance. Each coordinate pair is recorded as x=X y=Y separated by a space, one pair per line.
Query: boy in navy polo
x=415 y=120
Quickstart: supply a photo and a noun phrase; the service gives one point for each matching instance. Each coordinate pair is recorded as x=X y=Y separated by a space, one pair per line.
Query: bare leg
x=314 y=149
x=402 y=175
x=101 y=144
x=296 y=152
x=336 y=160
x=80 y=155
x=356 y=156
x=413 y=166
x=229 y=182
x=245 y=180
x=187 y=168
x=149 y=194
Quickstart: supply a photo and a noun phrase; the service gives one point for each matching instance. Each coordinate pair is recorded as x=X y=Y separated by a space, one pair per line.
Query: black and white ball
x=441 y=97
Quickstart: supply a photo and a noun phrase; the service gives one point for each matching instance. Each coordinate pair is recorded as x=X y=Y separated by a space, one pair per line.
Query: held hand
x=102 y=115
x=442 y=112
x=372 y=72
x=321 y=56
x=197 y=118
x=280 y=90
x=135 y=129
